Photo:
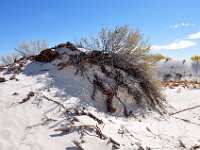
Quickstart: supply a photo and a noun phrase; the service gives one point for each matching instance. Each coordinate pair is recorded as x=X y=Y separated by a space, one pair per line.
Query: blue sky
x=172 y=25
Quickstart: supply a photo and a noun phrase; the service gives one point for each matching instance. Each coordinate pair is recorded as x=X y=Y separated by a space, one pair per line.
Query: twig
x=195 y=147
x=31 y=94
x=80 y=113
x=78 y=145
x=186 y=109
x=49 y=99
x=90 y=128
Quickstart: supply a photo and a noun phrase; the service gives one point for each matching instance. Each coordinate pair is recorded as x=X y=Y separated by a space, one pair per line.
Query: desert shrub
x=124 y=48
x=122 y=74
x=31 y=48
x=157 y=57
x=125 y=52
x=9 y=59
x=195 y=58
x=124 y=41
x=24 y=49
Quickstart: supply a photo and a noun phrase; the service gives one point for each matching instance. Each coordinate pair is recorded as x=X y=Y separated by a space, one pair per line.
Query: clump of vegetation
x=31 y=48
x=47 y=55
x=9 y=59
x=123 y=41
x=125 y=52
x=24 y=49
x=157 y=57
x=195 y=58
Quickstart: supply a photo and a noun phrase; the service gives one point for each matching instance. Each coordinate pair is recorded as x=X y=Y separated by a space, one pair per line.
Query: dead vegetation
x=90 y=128
x=195 y=147
x=47 y=55
x=73 y=112
x=186 y=109
x=125 y=53
x=30 y=94
x=81 y=113
x=123 y=74
x=103 y=59
x=2 y=68
x=67 y=45
x=185 y=84
x=2 y=79
x=15 y=68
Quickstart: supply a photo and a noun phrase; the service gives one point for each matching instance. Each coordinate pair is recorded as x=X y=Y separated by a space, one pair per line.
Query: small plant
x=157 y=57
x=24 y=49
x=124 y=41
x=9 y=59
x=31 y=48
x=195 y=58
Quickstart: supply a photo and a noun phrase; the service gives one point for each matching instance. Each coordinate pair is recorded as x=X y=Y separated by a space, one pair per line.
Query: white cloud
x=182 y=25
x=174 y=45
x=194 y=36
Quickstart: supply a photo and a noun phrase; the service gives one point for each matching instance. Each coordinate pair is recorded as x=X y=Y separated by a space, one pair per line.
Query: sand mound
x=115 y=81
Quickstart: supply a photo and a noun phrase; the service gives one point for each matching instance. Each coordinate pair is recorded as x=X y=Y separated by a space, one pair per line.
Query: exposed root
x=98 y=83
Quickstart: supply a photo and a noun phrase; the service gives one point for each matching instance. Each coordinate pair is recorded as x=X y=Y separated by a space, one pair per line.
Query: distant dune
x=178 y=70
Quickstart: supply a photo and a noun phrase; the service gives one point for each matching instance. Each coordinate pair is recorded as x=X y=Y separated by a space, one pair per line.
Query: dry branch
x=65 y=64
x=90 y=128
x=80 y=113
x=31 y=94
x=76 y=111
x=186 y=109
x=49 y=99
x=195 y=147
x=78 y=145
